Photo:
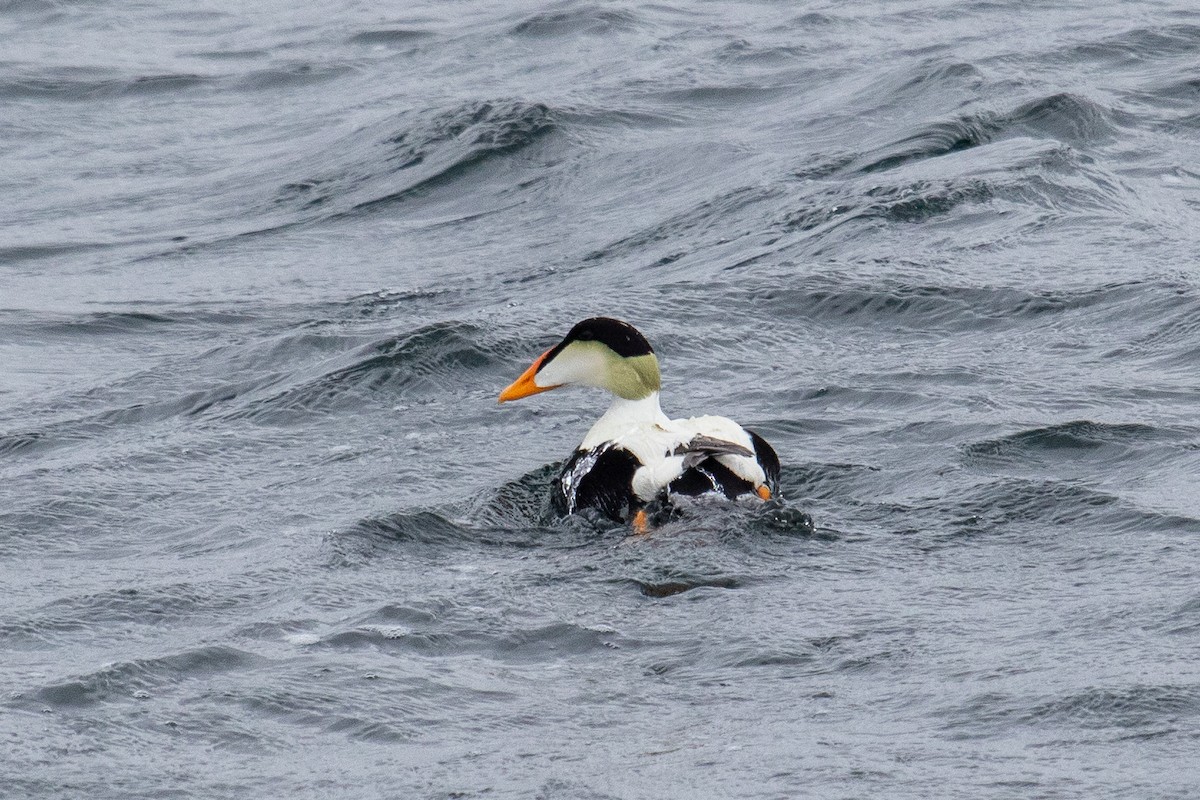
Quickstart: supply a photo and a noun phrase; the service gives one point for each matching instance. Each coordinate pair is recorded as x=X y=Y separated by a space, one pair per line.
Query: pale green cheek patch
x=635 y=377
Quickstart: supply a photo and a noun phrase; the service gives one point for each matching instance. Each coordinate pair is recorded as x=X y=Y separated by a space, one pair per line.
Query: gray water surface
x=265 y=532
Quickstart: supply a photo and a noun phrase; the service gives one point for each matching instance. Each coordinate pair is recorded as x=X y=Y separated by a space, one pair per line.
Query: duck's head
x=601 y=352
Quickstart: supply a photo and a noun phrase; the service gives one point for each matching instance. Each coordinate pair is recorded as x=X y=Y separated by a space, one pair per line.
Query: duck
x=635 y=458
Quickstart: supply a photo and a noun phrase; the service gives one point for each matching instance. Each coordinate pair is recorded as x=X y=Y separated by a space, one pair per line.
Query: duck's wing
x=700 y=447
x=722 y=456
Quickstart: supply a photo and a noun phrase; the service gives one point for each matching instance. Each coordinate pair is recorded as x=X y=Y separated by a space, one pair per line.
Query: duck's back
x=654 y=461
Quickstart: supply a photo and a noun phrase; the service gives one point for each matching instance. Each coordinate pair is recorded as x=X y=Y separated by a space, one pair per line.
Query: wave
x=12 y=254
x=1032 y=159
x=1121 y=707
x=403 y=158
x=301 y=73
x=1070 y=440
x=827 y=481
x=1185 y=619
x=276 y=382
x=554 y=641
x=1083 y=450
x=399 y=159
x=932 y=140
x=1065 y=117
x=400 y=710
x=704 y=217
x=77 y=429
x=149 y=606
x=419 y=527
x=1036 y=505
x=389 y=37
x=833 y=300
x=114 y=323
x=1174 y=340
x=1137 y=46
x=718 y=95
x=1032 y=163
x=586 y=18
x=140 y=678
x=1008 y=501
x=429 y=360
x=78 y=84
x=1124 y=706
x=519 y=503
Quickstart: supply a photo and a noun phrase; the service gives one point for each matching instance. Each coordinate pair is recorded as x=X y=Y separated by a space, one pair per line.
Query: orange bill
x=763 y=492
x=524 y=385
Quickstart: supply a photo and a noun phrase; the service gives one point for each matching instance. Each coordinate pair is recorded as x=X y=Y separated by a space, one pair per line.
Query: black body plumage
x=600 y=478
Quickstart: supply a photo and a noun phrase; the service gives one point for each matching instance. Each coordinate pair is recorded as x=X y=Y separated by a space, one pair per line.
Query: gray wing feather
x=701 y=447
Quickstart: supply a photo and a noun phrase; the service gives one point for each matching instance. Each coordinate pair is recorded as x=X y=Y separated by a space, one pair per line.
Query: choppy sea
x=265 y=532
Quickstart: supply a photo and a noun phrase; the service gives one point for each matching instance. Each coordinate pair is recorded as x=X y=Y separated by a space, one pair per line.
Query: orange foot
x=763 y=492
x=641 y=523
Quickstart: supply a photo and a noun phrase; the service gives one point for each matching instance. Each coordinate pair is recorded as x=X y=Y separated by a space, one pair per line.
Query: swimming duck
x=635 y=455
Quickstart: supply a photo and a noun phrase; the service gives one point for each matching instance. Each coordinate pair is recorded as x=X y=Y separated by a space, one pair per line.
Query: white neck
x=622 y=416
